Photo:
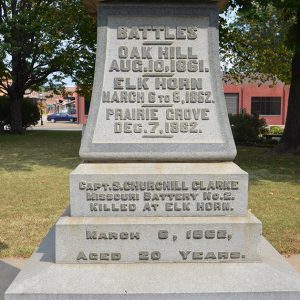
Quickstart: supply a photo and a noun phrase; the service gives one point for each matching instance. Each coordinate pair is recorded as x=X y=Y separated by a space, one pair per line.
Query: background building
x=269 y=102
x=67 y=102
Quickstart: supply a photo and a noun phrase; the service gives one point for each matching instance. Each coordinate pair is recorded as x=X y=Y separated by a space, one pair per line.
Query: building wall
x=82 y=117
x=54 y=103
x=245 y=93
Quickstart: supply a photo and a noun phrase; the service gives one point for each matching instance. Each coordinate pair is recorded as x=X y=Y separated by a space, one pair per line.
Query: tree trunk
x=16 y=113
x=290 y=141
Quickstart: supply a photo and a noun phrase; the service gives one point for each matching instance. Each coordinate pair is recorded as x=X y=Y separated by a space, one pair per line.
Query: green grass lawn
x=34 y=189
x=274 y=195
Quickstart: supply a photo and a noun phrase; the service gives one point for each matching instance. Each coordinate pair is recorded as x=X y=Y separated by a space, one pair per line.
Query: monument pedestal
x=157 y=240
x=43 y=279
x=158 y=189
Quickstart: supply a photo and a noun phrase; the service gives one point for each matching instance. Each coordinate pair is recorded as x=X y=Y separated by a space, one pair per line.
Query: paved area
x=10 y=267
x=294 y=260
x=62 y=126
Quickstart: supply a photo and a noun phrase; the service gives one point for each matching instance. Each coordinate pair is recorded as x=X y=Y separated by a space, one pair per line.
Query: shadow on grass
x=44 y=148
x=7 y=274
x=3 y=246
x=263 y=164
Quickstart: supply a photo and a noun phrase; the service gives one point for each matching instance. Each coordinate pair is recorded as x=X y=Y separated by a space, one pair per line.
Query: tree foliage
x=255 y=45
x=271 y=54
x=38 y=38
x=83 y=74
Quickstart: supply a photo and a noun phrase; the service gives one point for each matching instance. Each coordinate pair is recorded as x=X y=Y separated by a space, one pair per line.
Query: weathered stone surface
x=157 y=92
x=92 y=4
x=149 y=240
x=159 y=189
x=271 y=279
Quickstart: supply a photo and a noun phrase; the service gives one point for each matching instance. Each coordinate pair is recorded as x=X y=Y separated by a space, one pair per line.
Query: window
x=232 y=103
x=267 y=106
x=87 y=103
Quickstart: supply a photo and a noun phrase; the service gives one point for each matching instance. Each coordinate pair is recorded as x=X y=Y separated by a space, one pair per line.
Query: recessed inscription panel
x=90 y=241
x=157 y=83
x=94 y=193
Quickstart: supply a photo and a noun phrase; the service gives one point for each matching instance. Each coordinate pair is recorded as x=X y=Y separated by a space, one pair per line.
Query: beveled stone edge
x=163 y=168
x=91 y=5
x=67 y=220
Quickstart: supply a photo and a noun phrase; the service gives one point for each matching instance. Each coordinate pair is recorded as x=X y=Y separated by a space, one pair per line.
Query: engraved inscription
x=162 y=243
x=160 y=197
x=98 y=256
x=189 y=255
x=146 y=256
x=94 y=235
x=157 y=83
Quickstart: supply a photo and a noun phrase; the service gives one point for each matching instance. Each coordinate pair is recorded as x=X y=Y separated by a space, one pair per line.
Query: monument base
x=42 y=279
x=136 y=239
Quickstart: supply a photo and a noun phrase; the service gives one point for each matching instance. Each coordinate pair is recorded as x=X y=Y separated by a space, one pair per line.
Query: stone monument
x=158 y=210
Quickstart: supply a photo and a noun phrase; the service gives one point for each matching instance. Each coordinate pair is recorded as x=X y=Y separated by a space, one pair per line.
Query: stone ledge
x=43 y=279
x=80 y=240
x=91 y=5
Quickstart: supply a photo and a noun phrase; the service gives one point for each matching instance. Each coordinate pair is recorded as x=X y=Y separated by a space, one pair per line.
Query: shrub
x=30 y=113
x=246 y=128
x=275 y=130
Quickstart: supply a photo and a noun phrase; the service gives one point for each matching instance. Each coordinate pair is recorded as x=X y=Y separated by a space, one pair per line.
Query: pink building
x=269 y=102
